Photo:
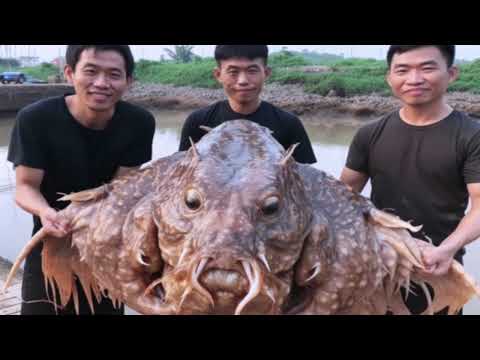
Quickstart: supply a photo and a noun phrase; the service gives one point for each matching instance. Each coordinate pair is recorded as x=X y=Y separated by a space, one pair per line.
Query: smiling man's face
x=421 y=76
x=99 y=79
x=242 y=79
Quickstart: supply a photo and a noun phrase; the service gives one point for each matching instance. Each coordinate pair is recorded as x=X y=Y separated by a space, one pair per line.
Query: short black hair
x=448 y=52
x=251 y=52
x=75 y=51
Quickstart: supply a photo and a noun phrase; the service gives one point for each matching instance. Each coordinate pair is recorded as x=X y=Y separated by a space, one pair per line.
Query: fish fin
x=87 y=195
x=391 y=221
x=392 y=230
x=61 y=266
x=452 y=290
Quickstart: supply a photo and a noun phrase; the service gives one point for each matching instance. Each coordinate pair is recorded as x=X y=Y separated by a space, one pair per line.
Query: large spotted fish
x=236 y=226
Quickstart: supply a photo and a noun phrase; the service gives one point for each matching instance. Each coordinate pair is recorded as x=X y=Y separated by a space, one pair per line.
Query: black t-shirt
x=420 y=172
x=76 y=158
x=287 y=128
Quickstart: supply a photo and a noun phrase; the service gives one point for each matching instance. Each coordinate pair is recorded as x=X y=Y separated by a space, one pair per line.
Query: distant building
x=28 y=61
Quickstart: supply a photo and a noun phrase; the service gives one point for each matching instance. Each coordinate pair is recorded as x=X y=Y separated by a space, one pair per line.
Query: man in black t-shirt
x=73 y=143
x=242 y=70
x=424 y=160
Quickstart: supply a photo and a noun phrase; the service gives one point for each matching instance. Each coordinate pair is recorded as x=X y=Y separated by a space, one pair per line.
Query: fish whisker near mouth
x=253 y=274
x=194 y=280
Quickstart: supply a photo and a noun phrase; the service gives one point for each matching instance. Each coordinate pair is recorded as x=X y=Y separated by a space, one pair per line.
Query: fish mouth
x=224 y=281
x=228 y=289
x=208 y=287
x=235 y=288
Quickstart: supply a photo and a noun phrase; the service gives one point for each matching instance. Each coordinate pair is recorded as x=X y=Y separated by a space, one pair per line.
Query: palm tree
x=182 y=53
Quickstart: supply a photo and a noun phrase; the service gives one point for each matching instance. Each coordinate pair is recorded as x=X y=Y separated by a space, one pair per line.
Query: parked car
x=13 y=77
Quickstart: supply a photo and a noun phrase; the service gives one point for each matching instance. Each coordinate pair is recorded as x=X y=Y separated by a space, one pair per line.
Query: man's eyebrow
x=429 y=62
x=97 y=66
x=236 y=67
x=90 y=64
x=403 y=65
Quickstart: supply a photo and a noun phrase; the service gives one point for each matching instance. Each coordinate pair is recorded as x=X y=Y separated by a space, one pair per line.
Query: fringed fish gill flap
x=61 y=266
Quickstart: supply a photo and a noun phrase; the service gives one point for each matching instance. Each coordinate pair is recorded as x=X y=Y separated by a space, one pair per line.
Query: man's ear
x=68 y=73
x=454 y=73
x=130 y=80
x=268 y=72
x=217 y=73
x=387 y=78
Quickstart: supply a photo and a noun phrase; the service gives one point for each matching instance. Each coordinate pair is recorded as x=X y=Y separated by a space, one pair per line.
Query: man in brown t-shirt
x=424 y=160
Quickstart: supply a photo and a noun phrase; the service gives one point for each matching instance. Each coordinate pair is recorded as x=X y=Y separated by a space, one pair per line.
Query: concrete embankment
x=15 y=97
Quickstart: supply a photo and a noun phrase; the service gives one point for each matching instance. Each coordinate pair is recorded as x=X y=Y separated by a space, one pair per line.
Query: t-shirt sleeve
x=304 y=153
x=471 y=168
x=140 y=151
x=191 y=129
x=358 y=153
x=26 y=146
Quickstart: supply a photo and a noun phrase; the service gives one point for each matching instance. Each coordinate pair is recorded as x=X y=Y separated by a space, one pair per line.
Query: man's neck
x=91 y=119
x=425 y=115
x=245 y=109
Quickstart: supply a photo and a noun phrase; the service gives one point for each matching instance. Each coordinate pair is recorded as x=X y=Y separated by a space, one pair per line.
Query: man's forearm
x=354 y=179
x=467 y=231
x=30 y=200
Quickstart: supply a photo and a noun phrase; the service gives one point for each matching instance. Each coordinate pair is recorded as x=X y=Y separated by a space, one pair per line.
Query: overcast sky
x=153 y=52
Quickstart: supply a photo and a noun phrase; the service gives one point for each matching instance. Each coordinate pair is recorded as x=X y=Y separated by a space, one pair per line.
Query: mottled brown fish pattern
x=236 y=226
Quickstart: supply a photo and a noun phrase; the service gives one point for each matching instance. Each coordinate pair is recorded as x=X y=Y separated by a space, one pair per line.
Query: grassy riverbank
x=318 y=75
x=347 y=76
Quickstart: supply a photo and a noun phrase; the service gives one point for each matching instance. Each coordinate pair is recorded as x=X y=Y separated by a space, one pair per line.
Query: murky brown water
x=330 y=146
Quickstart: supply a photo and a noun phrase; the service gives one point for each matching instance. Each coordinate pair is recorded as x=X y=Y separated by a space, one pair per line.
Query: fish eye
x=193 y=200
x=270 y=206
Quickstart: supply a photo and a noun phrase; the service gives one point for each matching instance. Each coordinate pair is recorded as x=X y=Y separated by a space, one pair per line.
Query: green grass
x=469 y=79
x=353 y=76
x=41 y=72
x=196 y=74
x=286 y=59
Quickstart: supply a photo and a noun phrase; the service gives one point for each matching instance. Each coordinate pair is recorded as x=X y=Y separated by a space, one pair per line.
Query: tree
x=182 y=53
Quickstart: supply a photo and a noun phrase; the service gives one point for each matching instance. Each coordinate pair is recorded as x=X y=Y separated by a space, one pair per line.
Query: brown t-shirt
x=420 y=173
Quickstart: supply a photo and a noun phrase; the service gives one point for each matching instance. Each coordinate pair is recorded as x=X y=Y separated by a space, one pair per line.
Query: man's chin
x=417 y=101
x=101 y=108
x=247 y=100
